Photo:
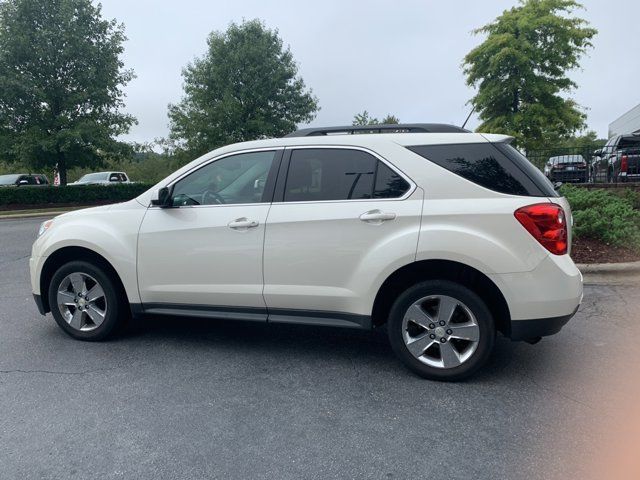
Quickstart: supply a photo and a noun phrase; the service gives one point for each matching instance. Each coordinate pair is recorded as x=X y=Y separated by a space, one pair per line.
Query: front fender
x=111 y=233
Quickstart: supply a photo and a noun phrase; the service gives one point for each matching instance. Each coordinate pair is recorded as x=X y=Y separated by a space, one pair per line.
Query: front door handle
x=376 y=216
x=242 y=224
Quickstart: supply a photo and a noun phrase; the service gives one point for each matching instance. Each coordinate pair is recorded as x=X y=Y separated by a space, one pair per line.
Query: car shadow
x=368 y=349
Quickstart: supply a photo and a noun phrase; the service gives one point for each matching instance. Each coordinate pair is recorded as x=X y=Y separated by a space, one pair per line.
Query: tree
x=245 y=87
x=521 y=72
x=362 y=119
x=61 y=82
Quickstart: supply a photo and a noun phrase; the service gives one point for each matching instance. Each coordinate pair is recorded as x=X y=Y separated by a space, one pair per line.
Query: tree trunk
x=62 y=169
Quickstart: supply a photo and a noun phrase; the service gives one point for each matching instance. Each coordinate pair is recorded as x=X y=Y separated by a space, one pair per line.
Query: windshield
x=94 y=177
x=8 y=179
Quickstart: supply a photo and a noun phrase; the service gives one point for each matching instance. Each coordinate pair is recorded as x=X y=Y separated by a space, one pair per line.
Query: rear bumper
x=553 y=289
x=578 y=176
x=542 y=327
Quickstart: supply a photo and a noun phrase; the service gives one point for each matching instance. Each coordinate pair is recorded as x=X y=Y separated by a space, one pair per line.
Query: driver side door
x=203 y=255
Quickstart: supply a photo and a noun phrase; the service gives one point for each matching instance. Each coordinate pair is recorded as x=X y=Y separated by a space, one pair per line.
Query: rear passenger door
x=342 y=218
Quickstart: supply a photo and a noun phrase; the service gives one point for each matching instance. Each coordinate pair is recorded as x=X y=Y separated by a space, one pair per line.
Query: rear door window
x=498 y=167
x=319 y=174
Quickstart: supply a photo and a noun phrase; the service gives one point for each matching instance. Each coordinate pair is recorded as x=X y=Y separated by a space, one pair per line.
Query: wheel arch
x=419 y=271
x=67 y=254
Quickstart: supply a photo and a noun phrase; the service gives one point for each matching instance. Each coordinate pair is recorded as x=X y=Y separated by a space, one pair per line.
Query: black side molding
x=39 y=304
x=319 y=317
x=280 y=315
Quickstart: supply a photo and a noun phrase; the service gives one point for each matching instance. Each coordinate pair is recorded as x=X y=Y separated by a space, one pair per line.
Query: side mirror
x=557 y=185
x=164 y=198
x=23 y=182
x=598 y=152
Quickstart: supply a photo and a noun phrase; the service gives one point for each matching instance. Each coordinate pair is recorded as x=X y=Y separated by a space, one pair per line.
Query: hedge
x=602 y=215
x=80 y=194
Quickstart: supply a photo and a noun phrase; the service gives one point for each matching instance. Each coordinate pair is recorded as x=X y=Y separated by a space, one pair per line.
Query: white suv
x=445 y=236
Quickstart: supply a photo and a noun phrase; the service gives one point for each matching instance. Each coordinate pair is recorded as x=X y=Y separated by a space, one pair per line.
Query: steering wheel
x=211 y=198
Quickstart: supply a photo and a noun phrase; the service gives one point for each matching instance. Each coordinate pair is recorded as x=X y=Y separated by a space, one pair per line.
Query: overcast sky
x=383 y=56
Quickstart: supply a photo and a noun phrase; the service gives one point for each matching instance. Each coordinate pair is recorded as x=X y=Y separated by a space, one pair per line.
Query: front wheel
x=441 y=330
x=85 y=301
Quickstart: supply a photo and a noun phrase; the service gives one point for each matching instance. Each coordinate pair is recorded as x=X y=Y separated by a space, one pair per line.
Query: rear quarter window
x=498 y=167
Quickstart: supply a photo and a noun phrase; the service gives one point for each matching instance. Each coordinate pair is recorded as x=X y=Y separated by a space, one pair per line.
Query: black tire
x=471 y=300
x=116 y=311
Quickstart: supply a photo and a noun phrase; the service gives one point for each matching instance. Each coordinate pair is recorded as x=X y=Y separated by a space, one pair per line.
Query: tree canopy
x=362 y=119
x=61 y=79
x=245 y=87
x=521 y=68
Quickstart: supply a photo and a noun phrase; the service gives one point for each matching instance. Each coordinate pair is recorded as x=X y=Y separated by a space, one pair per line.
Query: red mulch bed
x=595 y=251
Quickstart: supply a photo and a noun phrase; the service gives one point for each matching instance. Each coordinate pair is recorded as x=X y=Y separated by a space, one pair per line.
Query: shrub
x=80 y=194
x=601 y=215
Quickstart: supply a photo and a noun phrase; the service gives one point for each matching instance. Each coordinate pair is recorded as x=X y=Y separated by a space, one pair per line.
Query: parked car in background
x=618 y=160
x=445 y=236
x=23 y=179
x=567 y=168
x=102 y=178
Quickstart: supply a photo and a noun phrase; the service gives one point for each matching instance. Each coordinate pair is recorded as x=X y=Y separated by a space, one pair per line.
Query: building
x=627 y=123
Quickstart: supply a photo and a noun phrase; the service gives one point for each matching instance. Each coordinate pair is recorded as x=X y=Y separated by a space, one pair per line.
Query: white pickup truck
x=102 y=178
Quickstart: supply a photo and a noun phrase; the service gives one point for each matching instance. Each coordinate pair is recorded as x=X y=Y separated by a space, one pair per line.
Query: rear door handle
x=376 y=216
x=242 y=224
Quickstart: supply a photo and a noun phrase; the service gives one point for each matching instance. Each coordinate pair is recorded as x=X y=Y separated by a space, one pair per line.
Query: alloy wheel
x=82 y=301
x=440 y=331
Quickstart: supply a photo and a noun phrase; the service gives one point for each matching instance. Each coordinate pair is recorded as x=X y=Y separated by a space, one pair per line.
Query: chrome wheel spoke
x=95 y=293
x=76 y=319
x=446 y=308
x=418 y=316
x=465 y=331
x=66 y=298
x=454 y=328
x=78 y=283
x=419 y=345
x=95 y=314
x=449 y=355
x=83 y=308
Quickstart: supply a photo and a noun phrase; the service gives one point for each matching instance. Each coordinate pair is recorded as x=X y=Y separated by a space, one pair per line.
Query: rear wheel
x=441 y=330
x=85 y=301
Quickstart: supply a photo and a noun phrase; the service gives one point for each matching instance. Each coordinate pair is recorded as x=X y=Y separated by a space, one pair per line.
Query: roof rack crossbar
x=384 y=128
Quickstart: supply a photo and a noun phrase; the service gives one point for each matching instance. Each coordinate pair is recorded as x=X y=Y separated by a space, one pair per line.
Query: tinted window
x=236 y=179
x=329 y=174
x=498 y=167
x=339 y=174
x=629 y=142
x=388 y=183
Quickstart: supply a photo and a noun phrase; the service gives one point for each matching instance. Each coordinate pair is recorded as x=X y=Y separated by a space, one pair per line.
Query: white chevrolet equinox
x=444 y=236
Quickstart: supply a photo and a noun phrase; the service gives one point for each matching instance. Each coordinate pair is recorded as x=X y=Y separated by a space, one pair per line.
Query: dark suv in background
x=567 y=168
x=23 y=179
x=618 y=160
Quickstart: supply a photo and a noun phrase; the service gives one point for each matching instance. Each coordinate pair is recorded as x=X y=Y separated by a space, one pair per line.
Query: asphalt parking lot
x=176 y=398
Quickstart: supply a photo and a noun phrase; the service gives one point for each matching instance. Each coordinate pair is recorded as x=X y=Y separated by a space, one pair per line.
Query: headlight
x=44 y=226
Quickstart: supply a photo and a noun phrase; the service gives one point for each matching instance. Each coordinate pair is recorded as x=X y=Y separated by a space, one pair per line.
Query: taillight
x=624 y=163
x=548 y=225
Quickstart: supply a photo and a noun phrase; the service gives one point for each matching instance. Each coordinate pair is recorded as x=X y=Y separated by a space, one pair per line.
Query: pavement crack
x=15 y=259
x=55 y=372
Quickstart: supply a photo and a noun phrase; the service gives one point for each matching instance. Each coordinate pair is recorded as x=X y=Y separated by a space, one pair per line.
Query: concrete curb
x=614 y=268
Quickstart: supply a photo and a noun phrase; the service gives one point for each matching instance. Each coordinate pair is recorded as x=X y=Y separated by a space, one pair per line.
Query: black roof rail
x=387 y=128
